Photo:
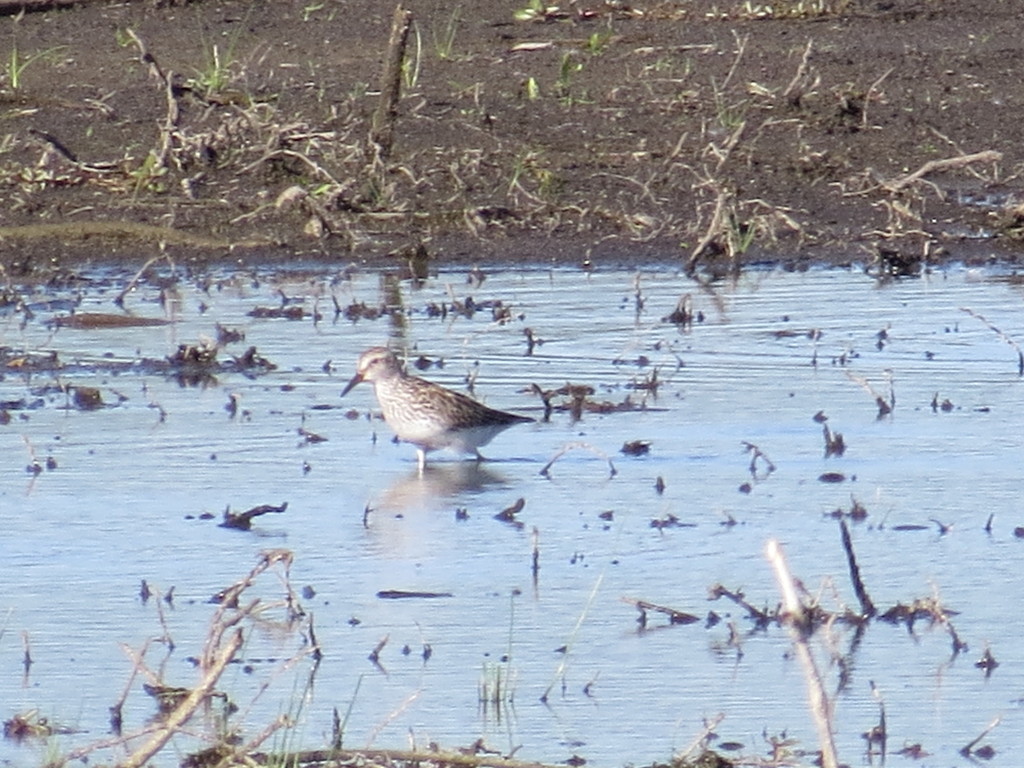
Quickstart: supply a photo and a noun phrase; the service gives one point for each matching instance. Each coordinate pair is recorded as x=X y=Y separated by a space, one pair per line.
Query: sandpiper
x=426 y=414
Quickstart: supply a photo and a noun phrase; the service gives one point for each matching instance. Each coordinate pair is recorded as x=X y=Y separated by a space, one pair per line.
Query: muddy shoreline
x=716 y=135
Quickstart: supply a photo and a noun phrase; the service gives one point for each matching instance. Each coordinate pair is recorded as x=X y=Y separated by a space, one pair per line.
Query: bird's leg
x=479 y=456
x=421 y=456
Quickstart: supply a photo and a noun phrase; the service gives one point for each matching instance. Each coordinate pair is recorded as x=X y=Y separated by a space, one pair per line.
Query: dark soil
x=718 y=133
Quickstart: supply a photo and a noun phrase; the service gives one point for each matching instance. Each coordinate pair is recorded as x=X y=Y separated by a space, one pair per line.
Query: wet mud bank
x=716 y=134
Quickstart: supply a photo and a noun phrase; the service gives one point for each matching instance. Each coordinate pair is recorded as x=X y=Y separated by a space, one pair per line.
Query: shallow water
x=773 y=348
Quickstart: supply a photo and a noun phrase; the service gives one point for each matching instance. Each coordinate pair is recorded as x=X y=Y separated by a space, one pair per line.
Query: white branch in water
x=794 y=617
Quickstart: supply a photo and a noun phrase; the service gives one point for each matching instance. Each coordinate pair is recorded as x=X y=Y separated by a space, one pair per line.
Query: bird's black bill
x=355 y=380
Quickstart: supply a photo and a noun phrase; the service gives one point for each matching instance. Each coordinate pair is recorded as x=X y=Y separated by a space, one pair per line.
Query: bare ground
x=886 y=132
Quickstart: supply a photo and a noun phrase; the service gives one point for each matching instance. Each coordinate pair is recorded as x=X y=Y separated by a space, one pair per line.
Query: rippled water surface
x=129 y=483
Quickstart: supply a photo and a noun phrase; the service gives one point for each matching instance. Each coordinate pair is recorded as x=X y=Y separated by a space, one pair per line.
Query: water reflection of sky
x=78 y=540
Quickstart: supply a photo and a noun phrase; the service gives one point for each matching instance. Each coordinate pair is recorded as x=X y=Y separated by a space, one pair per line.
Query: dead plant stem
x=700 y=743
x=741 y=47
x=714 y=228
x=798 y=76
x=382 y=129
x=564 y=662
x=795 y=618
x=1002 y=335
x=987 y=156
x=946 y=164
x=867 y=607
x=166 y=79
x=181 y=714
x=76 y=755
x=119 y=301
x=723 y=153
x=573 y=446
x=867 y=97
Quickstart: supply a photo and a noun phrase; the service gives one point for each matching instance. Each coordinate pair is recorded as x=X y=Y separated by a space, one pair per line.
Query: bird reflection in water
x=437 y=485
